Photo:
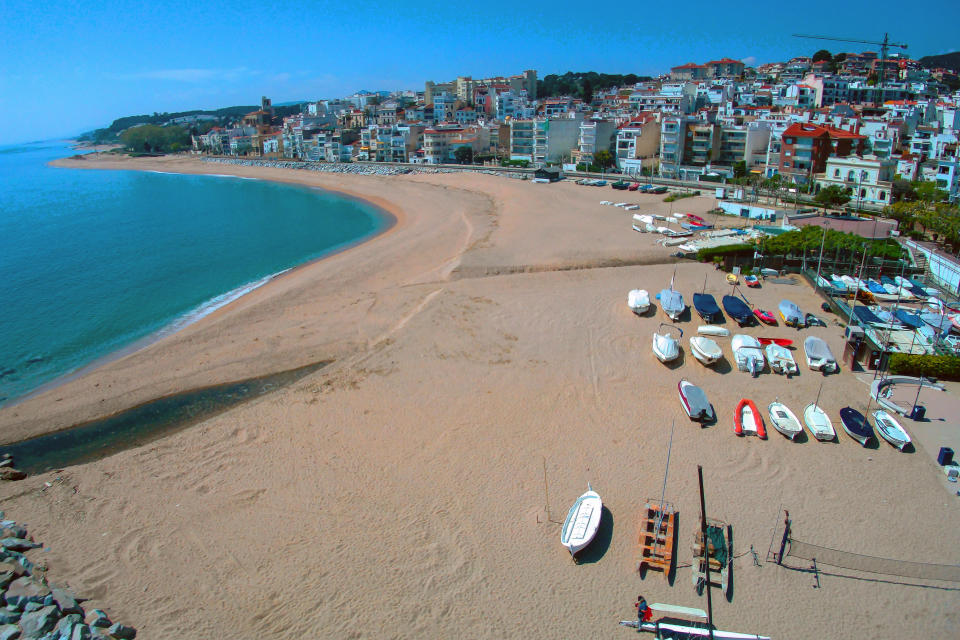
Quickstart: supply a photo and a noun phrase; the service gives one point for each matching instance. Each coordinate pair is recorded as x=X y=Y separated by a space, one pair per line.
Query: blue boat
x=738 y=310
x=866 y=316
x=908 y=318
x=888 y=280
x=672 y=303
x=706 y=306
x=856 y=425
x=918 y=289
x=876 y=287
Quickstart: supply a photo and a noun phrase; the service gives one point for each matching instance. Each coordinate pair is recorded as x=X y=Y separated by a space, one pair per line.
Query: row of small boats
x=884 y=289
x=750 y=354
x=748 y=420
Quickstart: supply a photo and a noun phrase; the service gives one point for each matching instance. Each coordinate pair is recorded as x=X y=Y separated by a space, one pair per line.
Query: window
x=883 y=195
x=836 y=173
x=850 y=175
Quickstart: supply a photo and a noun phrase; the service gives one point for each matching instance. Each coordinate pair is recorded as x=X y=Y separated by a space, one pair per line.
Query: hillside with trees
x=943 y=61
x=583 y=84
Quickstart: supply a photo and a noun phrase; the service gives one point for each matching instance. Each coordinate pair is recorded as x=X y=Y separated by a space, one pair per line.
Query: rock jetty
x=37 y=610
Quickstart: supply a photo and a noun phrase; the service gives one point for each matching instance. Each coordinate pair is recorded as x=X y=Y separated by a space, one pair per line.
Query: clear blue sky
x=73 y=66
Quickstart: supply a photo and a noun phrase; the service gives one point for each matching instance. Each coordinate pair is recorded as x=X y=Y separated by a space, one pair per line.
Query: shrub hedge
x=939 y=367
x=709 y=253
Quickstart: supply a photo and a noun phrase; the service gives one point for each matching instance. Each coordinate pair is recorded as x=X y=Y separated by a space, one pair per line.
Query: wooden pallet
x=656 y=543
x=719 y=571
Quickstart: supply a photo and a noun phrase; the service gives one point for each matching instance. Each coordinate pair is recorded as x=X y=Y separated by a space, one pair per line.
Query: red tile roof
x=804 y=130
x=689 y=65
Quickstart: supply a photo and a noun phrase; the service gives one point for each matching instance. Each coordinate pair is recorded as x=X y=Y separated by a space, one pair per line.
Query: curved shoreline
x=179 y=323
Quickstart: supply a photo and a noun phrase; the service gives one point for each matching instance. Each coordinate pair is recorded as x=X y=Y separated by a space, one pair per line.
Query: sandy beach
x=480 y=345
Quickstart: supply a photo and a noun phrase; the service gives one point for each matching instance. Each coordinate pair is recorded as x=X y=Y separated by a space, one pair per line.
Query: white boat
x=781 y=360
x=632 y=207
x=665 y=346
x=639 y=301
x=694 y=401
x=582 y=522
x=705 y=350
x=748 y=354
x=890 y=430
x=784 y=420
x=769 y=273
x=636 y=228
x=672 y=303
x=819 y=356
x=644 y=219
x=713 y=330
x=674 y=624
x=819 y=423
x=605 y=202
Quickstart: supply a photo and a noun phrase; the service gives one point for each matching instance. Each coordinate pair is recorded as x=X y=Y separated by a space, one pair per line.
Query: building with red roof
x=806 y=147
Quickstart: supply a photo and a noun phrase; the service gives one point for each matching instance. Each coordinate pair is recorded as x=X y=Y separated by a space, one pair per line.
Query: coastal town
x=574 y=308
x=853 y=121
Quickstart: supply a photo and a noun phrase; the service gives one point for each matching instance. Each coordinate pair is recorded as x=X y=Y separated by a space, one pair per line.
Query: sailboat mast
x=663 y=490
x=706 y=552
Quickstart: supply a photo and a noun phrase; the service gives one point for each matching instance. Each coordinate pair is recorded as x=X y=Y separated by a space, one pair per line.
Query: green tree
x=823 y=54
x=740 y=169
x=928 y=192
x=586 y=91
x=464 y=155
x=603 y=159
x=833 y=196
x=150 y=138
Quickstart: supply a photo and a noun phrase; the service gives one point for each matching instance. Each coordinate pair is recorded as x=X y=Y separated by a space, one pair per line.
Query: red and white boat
x=747 y=420
x=751 y=281
x=783 y=342
x=765 y=316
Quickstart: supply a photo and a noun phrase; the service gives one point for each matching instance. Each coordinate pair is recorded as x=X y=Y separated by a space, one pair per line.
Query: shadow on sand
x=598 y=548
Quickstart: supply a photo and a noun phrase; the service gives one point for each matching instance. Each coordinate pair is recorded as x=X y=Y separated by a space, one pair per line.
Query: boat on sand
x=694 y=401
x=819 y=356
x=639 y=301
x=784 y=420
x=856 y=425
x=705 y=350
x=747 y=420
x=890 y=430
x=765 y=316
x=665 y=346
x=818 y=422
x=706 y=306
x=781 y=360
x=582 y=522
x=751 y=281
x=737 y=309
x=748 y=354
x=713 y=330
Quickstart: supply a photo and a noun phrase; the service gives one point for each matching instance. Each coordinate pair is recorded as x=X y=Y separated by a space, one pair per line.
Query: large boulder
x=24 y=590
x=64 y=599
x=122 y=632
x=65 y=625
x=37 y=623
x=8 y=616
x=97 y=618
x=18 y=544
x=80 y=632
x=9 y=473
x=9 y=632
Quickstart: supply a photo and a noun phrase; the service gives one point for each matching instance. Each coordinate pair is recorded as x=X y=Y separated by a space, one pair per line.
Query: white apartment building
x=869 y=179
x=948 y=177
x=542 y=140
x=511 y=104
x=594 y=136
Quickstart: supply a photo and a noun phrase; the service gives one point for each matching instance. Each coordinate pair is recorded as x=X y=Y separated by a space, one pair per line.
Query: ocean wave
x=215 y=303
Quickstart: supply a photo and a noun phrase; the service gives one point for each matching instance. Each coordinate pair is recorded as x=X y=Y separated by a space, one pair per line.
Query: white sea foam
x=215 y=303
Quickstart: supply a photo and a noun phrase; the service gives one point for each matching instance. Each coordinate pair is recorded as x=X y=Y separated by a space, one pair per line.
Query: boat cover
x=671 y=301
x=855 y=423
x=817 y=349
x=638 y=298
x=696 y=400
x=888 y=280
x=866 y=316
x=706 y=306
x=876 y=287
x=918 y=288
x=908 y=318
x=791 y=313
x=937 y=321
x=737 y=309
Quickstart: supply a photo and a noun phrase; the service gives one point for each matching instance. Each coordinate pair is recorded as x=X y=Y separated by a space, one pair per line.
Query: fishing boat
x=582 y=522
x=747 y=420
x=737 y=309
x=818 y=422
x=706 y=306
x=718 y=551
x=856 y=425
x=791 y=314
x=748 y=354
x=732 y=278
x=751 y=281
x=665 y=346
x=890 y=430
x=713 y=330
x=639 y=301
x=705 y=350
x=694 y=402
x=672 y=303
x=784 y=420
x=819 y=356
x=781 y=360
x=765 y=316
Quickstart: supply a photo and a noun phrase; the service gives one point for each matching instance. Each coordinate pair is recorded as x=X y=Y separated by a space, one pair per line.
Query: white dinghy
x=819 y=423
x=784 y=420
x=890 y=430
x=582 y=522
x=639 y=301
x=705 y=350
x=819 y=356
x=665 y=346
x=713 y=330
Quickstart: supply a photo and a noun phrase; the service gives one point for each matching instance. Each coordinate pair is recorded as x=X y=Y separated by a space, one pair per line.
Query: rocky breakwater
x=38 y=610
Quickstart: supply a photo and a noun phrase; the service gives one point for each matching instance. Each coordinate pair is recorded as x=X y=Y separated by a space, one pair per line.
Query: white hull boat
x=665 y=346
x=713 y=330
x=639 y=301
x=819 y=423
x=705 y=350
x=582 y=522
x=784 y=420
x=781 y=360
x=672 y=303
x=694 y=401
x=819 y=356
x=890 y=430
x=748 y=354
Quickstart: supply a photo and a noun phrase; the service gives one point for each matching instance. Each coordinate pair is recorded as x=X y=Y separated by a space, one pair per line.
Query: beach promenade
x=485 y=368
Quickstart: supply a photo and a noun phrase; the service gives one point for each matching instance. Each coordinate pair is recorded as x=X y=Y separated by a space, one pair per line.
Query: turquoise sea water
x=92 y=261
